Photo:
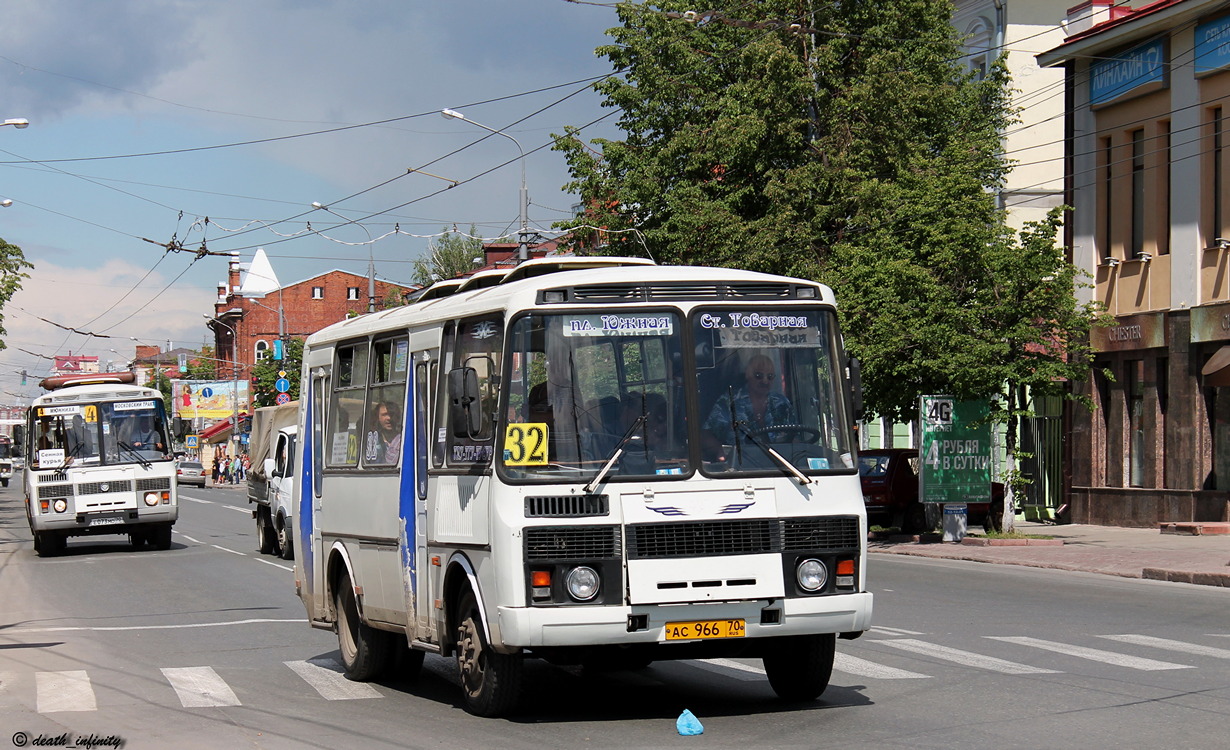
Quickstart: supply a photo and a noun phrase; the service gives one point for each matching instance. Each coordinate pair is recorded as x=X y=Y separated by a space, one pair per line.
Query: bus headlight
x=812 y=575
x=151 y=499
x=582 y=583
x=60 y=505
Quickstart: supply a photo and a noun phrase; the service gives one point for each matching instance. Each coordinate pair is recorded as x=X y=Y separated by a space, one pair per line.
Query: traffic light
x=23 y=377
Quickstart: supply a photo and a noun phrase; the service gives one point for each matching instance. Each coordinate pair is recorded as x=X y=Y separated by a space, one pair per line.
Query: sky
x=222 y=121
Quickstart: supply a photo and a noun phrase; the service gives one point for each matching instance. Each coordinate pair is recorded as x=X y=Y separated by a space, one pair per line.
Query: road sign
x=282 y=398
x=190 y=441
x=282 y=385
x=956 y=451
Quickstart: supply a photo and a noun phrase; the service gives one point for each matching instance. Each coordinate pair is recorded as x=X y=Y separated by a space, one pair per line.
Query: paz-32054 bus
x=99 y=462
x=585 y=460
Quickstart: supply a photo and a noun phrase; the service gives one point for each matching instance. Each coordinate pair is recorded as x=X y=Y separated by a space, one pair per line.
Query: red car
x=890 y=491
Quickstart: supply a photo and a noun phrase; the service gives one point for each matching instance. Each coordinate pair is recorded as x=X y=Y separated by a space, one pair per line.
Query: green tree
x=12 y=270
x=203 y=365
x=265 y=374
x=448 y=256
x=848 y=143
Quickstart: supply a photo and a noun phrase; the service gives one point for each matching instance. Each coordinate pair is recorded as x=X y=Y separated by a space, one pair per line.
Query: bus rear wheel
x=491 y=681
x=799 y=667
x=365 y=651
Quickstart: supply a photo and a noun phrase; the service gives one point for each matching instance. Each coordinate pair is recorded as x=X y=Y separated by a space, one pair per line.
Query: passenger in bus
x=45 y=436
x=756 y=405
x=77 y=440
x=384 y=437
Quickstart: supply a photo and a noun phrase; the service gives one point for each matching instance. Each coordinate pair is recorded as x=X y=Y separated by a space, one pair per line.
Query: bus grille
x=567 y=506
x=572 y=543
x=156 y=483
x=703 y=538
x=811 y=533
x=55 y=490
x=745 y=537
x=95 y=488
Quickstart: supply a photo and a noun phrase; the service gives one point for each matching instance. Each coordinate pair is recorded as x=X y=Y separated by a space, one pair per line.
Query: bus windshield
x=114 y=432
x=593 y=392
x=585 y=386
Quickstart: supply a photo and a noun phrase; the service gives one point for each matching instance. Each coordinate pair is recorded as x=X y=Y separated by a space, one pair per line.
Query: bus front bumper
x=541 y=627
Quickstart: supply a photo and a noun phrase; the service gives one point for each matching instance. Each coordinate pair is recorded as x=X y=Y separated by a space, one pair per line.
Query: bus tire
x=264 y=532
x=50 y=543
x=365 y=651
x=286 y=545
x=160 y=536
x=138 y=539
x=490 y=681
x=4 y=482
x=799 y=667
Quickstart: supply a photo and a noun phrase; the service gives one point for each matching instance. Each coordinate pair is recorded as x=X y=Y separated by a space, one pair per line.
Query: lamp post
x=235 y=366
x=522 y=235
x=371 y=261
x=19 y=123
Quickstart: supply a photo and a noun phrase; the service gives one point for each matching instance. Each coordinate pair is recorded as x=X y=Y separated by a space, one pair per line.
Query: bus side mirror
x=856 y=388
x=463 y=396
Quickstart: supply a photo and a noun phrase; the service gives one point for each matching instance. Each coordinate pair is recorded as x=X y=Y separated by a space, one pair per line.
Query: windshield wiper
x=145 y=464
x=791 y=468
x=616 y=452
x=71 y=455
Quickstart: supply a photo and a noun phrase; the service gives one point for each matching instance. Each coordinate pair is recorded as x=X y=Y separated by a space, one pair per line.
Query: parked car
x=190 y=472
x=890 y=492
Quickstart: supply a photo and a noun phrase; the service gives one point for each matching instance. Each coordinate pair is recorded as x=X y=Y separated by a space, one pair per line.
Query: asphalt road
x=206 y=645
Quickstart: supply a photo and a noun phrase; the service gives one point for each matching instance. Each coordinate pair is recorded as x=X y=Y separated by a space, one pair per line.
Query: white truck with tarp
x=271 y=476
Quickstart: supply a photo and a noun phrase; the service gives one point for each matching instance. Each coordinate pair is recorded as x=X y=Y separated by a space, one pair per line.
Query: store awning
x=218 y=432
x=1217 y=370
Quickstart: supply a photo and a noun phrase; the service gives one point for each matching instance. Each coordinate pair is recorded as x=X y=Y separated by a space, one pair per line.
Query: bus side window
x=471 y=390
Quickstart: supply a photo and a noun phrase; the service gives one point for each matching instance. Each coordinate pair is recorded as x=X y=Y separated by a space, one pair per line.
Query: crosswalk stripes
x=325 y=675
x=64 y=691
x=203 y=687
x=1093 y=654
x=1166 y=643
x=200 y=687
x=967 y=658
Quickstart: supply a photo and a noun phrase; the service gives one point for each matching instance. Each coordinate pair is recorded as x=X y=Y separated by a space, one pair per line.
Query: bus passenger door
x=310 y=557
x=417 y=569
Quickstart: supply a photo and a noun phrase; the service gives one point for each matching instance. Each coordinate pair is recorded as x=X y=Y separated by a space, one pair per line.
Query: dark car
x=190 y=472
x=890 y=491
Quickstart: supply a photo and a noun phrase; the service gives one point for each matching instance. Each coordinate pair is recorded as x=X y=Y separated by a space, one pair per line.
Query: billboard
x=210 y=399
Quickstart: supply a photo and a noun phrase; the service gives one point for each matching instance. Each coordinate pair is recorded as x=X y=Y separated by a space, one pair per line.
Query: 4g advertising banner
x=956 y=451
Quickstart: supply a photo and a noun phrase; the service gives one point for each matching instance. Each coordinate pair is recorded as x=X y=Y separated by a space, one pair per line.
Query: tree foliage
x=12 y=270
x=448 y=256
x=855 y=149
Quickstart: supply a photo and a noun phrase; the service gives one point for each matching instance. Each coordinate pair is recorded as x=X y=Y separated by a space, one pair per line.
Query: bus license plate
x=106 y=520
x=691 y=630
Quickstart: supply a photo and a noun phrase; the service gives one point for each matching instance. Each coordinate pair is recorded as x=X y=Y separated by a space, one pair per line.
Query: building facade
x=1146 y=133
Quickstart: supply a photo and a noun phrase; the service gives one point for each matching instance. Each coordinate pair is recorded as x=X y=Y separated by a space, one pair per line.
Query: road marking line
x=863 y=668
x=276 y=565
x=967 y=658
x=1180 y=646
x=745 y=672
x=98 y=628
x=185 y=536
x=325 y=675
x=248 y=511
x=893 y=631
x=233 y=552
x=65 y=691
x=1093 y=654
x=200 y=687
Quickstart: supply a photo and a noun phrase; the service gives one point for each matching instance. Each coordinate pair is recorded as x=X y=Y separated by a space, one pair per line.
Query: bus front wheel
x=490 y=680
x=799 y=667
x=365 y=651
x=50 y=543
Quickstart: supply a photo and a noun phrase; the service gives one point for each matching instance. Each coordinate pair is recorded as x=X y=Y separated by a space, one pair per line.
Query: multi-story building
x=1146 y=130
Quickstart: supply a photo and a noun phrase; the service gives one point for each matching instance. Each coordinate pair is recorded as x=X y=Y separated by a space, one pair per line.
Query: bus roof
x=599 y=280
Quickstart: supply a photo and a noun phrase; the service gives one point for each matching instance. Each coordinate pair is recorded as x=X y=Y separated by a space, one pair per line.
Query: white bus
x=588 y=461
x=98 y=462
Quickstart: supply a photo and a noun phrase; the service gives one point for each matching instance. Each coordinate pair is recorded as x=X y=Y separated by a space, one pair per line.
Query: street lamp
x=523 y=234
x=371 y=261
x=17 y=122
x=235 y=364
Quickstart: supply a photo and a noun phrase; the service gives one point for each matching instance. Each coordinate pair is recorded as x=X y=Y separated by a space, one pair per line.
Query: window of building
x=352 y=293
x=1138 y=192
x=978 y=39
x=1215 y=189
x=1107 y=157
x=261 y=351
x=318 y=292
x=1135 y=392
x=1163 y=184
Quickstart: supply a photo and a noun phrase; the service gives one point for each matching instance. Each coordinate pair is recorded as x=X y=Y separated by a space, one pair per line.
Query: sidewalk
x=1110 y=550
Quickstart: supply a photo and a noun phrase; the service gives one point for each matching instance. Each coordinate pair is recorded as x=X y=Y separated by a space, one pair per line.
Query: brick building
x=259 y=309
